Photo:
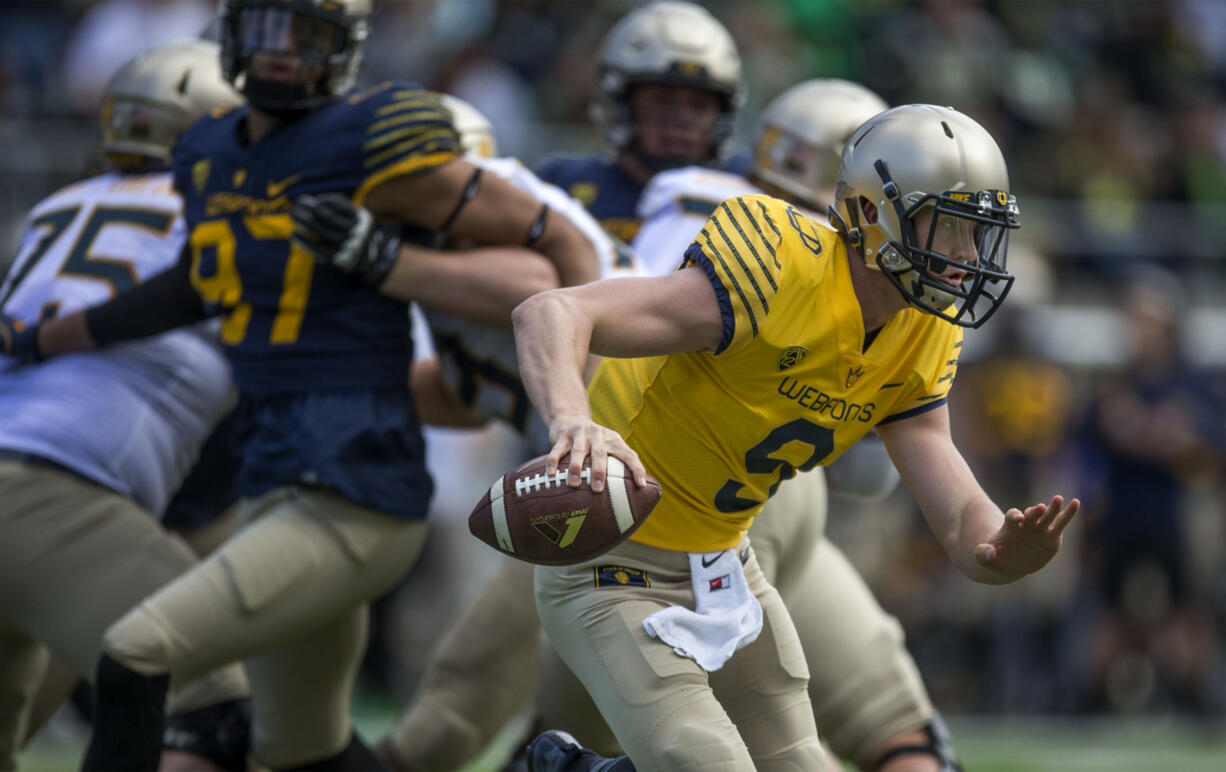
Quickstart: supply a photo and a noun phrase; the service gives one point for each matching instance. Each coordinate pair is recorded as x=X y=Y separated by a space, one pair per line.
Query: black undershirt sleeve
x=163 y=302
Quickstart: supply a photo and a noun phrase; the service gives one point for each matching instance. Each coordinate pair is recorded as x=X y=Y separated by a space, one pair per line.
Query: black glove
x=18 y=339
x=337 y=232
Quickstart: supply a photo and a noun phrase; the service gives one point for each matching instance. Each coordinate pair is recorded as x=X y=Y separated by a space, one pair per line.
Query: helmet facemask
x=979 y=221
x=310 y=50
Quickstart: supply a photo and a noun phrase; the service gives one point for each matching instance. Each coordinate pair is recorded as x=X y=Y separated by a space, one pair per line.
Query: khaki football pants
x=74 y=557
x=667 y=712
x=863 y=684
x=288 y=595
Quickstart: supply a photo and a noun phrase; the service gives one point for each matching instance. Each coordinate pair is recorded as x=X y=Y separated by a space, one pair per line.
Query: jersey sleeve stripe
x=766 y=216
x=412 y=165
x=767 y=246
x=411 y=149
x=694 y=255
x=416 y=132
x=745 y=270
x=913 y=411
x=406 y=100
x=422 y=115
x=727 y=272
x=770 y=247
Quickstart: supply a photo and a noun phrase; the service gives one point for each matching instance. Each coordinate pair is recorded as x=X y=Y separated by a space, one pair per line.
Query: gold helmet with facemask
x=916 y=160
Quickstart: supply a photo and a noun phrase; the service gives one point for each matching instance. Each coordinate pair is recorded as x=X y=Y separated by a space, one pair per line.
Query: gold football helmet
x=666 y=42
x=914 y=158
x=155 y=96
x=476 y=132
x=305 y=36
x=801 y=135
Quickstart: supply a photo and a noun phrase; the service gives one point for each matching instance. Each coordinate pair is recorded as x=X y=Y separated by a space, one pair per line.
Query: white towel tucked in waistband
x=726 y=616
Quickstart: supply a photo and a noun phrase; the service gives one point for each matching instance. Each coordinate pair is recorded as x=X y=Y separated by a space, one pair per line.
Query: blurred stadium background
x=1112 y=115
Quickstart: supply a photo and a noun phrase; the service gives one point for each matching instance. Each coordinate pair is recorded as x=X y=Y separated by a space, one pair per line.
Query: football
x=539 y=518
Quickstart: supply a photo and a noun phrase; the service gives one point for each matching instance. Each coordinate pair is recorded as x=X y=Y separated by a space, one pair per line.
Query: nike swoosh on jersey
x=708 y=563
x=277 y=188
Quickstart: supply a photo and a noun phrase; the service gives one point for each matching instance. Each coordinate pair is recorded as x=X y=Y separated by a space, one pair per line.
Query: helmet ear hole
x=870 y=211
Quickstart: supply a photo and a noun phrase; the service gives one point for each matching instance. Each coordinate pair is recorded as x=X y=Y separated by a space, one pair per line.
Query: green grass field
x=1038 y=744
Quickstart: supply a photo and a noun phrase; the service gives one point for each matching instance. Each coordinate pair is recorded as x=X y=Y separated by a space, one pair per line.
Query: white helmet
x=801 y=135
x=158 y=94
x=666 y=42
x=476 y=132
x=918 y=156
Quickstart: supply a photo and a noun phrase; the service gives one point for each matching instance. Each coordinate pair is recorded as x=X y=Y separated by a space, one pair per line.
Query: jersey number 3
x=758 y=460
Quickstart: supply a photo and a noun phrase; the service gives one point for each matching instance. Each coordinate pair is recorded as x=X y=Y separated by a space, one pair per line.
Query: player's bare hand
x=1028 y=539
x=575 y=438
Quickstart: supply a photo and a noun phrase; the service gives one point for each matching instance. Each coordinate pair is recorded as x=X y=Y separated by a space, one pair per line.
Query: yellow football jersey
x=790 y=387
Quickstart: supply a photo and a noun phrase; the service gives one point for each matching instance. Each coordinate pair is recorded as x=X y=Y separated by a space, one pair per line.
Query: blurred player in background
x=93 y=447
x=668 y=89
x=800 y=339
x=314 y=322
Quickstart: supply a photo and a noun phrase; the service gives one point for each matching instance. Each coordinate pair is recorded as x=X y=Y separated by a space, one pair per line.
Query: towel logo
x=708 y=563
x=620 y=576
x=720 y=583
x=792 y=356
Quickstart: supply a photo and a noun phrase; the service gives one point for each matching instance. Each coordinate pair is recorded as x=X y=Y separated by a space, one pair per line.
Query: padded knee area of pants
x=874 y=703
x=433 y=736
x=141 y=642
x=680 y=743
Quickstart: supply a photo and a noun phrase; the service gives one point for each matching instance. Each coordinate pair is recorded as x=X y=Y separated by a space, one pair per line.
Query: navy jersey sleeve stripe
x=695 y=256
x=748 y=272
x=762 y=236
x=753 y=321
x=766 y=216
x=913 y=411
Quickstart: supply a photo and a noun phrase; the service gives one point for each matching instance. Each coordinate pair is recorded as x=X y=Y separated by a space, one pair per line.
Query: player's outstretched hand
x=337 y=232
x=578 y=437
x=1028 y=539
x=18 y=339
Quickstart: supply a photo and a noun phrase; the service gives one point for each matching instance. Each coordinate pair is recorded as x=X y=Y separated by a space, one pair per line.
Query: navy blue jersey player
x=314 y=322
x=669 y=85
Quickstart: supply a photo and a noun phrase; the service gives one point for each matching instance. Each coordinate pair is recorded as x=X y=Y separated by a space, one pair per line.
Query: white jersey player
x=131 y=418
x=477 y=361
x=93 y=446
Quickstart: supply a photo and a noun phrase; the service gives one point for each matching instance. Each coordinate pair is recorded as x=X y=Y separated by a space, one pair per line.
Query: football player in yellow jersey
x=776 y=346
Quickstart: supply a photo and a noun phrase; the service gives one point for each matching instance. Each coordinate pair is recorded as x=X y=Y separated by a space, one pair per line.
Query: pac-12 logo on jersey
x=200 y=174
x=792 y=356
